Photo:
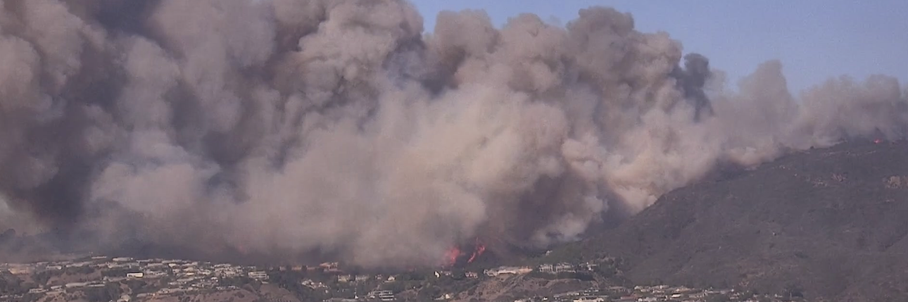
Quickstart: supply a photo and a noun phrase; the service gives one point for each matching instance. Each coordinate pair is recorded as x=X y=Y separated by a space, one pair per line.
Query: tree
x=718 y=298
x=98 y=294
x=793 y=290
x=113 y=290
x=11 y=286
x=428 y=293
x=42 y=277
x=394 y=287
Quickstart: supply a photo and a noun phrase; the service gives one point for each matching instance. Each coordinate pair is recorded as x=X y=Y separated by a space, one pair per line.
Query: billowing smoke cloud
x=337 y=128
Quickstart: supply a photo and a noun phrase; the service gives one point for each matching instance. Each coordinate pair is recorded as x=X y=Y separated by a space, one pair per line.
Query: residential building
x=564 y=267
x=135 y=275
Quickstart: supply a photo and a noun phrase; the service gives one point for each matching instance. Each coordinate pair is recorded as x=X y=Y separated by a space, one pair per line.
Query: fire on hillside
x=458 y=255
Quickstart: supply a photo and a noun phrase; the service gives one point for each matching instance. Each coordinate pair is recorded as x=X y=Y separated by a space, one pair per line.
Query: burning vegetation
x=455 y=256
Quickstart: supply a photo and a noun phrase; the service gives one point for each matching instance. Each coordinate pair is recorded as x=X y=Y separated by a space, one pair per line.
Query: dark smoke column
x=691 y=80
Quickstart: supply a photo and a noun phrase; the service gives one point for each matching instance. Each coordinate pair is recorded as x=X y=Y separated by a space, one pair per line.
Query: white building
x=589 y=266
x=258 y=275
x=76 y=284
x=312 y=284
x=564 y=267
x=381 y=295
x=507 y=270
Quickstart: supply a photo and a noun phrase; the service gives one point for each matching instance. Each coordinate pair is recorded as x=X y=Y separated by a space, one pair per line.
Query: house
x=135 y=275
x=567 y=294
x=76 y=284
x=445 y=297
x=328 y=265
x=495 y=272
x=508 y=270
x=472 y=275
x=258 y=275
x=564 y=267
x=589 y=266
x=312 y=284
x=344 y=278
x=380 y=293
x=546 y=268
x=383 y=295
x=20 y=269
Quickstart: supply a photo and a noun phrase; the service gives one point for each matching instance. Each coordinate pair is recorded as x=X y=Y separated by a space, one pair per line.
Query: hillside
x=829 y=223
x=826 y=223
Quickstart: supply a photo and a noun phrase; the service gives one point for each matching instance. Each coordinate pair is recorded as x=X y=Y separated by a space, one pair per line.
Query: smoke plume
x=287 y=128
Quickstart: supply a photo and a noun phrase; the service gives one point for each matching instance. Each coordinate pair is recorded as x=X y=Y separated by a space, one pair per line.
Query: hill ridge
x=829 y=221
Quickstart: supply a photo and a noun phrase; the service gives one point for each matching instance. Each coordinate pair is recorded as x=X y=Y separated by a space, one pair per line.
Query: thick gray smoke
x=299 y=127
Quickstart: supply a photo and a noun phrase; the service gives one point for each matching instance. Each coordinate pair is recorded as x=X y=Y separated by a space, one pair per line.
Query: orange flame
x=480 y=248
x=454 y=253
x=451 y=256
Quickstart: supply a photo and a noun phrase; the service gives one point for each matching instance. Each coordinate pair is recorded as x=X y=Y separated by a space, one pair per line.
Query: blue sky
x=814 y=39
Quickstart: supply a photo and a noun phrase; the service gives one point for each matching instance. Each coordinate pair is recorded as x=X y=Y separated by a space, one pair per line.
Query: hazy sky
x=814 y=39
